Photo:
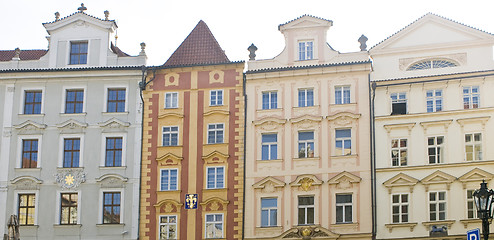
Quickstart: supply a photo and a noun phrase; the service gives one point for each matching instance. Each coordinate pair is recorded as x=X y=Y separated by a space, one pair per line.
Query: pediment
x=343 y=118
x=168 y=206
x=306 y=182
x=269 y=123
x=475 y=175
x=433 y=31
x=306 y=21
x=72 y=124
x=79 y=18
x=171 y=115
x=112 y=181
x=214 y=204
x=26 y=183
x=344 y=180
x=215 y=157
x=438 y=177
x=308 y=232
x=306 y=118
x=400 y=180
x=30 y=125
x=169 y=159
x=217 y=112
x=114 y=123
x=269 y=183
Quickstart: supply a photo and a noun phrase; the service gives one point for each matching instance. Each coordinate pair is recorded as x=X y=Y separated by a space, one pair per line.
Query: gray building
x=71 y=129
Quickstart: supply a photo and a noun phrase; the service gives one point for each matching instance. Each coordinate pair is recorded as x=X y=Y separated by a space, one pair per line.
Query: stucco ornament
x=306 y=183
x=70 y=178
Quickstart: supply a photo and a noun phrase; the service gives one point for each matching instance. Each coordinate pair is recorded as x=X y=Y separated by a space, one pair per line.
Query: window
x=71 y=152
x=306 y=97
x=399 y=103
x=400 y=208
x=116 y=100
x=29 y=153
x=435 y=146
x=111 y=207
x=26 y=208
x=343 y=141
x=305 y=50
x=473 y=146
x=169 y=179
x=399 y=152
x=437 y=206
x=269 y=100
x=269 y=146
x=68 y=208
x=431 y=63
x=171 y=100
x=344 y=208
x=113 y=152
x=168 y=227
x=215 y=133
x=471 y=209
x=342 y=94
x=305 y=210
x=74 y=101
x=471 y=97
x=216 y=177
x=306 y=144
x=434 y=100
x=78 y=53
x=269 y=212
x=32 y=102
x=214 y=226
x=170 y=136
x=216 y=98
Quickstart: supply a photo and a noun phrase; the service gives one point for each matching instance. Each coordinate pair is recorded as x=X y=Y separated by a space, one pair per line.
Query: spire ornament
x=82 y=8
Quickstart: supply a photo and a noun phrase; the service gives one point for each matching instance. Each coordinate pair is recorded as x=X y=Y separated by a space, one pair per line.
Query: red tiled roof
x=199 y=48
x=24 y=55
x=117 y=51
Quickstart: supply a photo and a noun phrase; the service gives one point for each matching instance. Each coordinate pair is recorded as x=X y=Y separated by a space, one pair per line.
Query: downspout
x=245 y=161
x=372 y=91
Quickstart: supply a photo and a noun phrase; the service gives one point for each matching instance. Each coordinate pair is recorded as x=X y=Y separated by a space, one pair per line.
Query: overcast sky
x=164 y=24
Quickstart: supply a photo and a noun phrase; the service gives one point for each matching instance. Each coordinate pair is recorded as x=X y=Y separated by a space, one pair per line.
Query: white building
x=71 y=130
x=433 y=118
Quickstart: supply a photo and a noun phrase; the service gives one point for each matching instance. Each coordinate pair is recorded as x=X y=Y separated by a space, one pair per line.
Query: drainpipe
x=372 y=91
x=245 y=161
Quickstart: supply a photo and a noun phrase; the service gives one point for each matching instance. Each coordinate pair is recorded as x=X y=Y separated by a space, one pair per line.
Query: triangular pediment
x=30 y=125
x=344 y=177
x=114 y=123
x=438 y=177
x=433 y=31
x=306 y=118
x=476 y=175
x=215 y=157
x=71 y=123
x=401 y=180
x=80 y=18
x=169 y=159
x=306 y=21
x=269 y=181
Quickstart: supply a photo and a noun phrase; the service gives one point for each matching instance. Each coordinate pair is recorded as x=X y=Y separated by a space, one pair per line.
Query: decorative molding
x=30 y=126
x=390 y=226
x=344 y=180
x=216 y=76
x=214 y=204
x=408 y=126
x=475 y=175
x=168 y=206
x=343 y=118
x=171 y=115
x=444 y=123
x=69 y=178
x=269 y=184
x=26 y=183
x=309 y=232
x=169 y=159
x=269 y=123
x=172 y=79
x=438 y=177
x=471 y=221
x=481 y=120
x=219 y=112
x=215 y=157
x=71 y=125
x=448 y=223
x=460 y=58
x=112 y=181
x=400 y=180
x=114 y=123
x=305 y=182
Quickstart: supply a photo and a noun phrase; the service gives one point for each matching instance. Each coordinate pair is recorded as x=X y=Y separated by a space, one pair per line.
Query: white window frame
x=122 y=204
x=58 y=207
x=399 y=100
x=168 y=225
x=342 y=90
x=270 y=100
x=171 y=133
x=216 y=130
x=435 y=146
x=473 y=143
x=116 y=86
x=23 y=100
x=343 y=141
x=305 y=90
x=269 y=211
x=222 y=222
x=269 y=144
x=36 y=203
x=61 y=147
x=434 y=98
x=399 y=149
x=64 y=98
x=305 y=207
x=69 y=47
x=217 y=99
x=161 y=176
x=103 y=148
x=470 y=96
x=471 y=200
x=306 y=144
x=343 y=206
x=19 y=149
x=304 y=55
x=216 y=177
x=400 y=204
x=437 y=203
x=173 y=104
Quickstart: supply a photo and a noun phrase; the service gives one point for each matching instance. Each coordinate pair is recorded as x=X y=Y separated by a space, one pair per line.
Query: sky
x=164 y=24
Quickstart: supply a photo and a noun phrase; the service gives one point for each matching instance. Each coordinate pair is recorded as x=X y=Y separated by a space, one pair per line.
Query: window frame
x=305 y=52
x=432 y=98
x=79 y=53
x=62 y=149
x=438 y=157
x=270 y=146
x=20 y=140
x=114 y=150
x=470 y=96
x=343 y=141
x=173 y=96
x=215 y=132
x=344 y=206
x=469 y=200
x=34 y=103
x=117 y=102
x=30 y=153
x=400 y=204
x=171 y=134
x=271 y=104
x=399 y=149
x=306 y=208
x=474 y=144
x=437 y=204
x=339 y=94
x=102 y=205
x=216 y=181
x=217 y=101
x=269 y=211
x=36 y=207
x=169 y=180
x=399 y=100
x=75 y=102
x=167 y=225
x=214 y=222
x=307 y=143
x=60 y=208
x=303 y=101
x=73 y=152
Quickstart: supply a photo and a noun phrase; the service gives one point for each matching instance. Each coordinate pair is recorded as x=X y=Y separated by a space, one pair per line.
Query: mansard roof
x=199 y=48
x=7 y=55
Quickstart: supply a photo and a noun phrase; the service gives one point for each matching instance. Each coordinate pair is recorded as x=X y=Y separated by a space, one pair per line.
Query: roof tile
x=7 y=55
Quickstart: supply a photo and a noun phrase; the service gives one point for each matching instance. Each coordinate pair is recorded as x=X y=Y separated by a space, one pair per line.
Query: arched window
x=431 y=63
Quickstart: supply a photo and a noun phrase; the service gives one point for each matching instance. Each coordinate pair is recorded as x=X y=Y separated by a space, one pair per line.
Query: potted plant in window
x=310 y=152
x=301 y=153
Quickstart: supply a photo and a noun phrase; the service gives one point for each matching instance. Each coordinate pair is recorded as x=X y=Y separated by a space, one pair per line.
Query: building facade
x=308 y=169
x=71 y=128
x=192 y=165
x=433 y=116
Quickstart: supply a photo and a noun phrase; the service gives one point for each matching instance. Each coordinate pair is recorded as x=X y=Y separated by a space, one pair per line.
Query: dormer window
x=431 y=63
x=78 y=53
x=305 y=50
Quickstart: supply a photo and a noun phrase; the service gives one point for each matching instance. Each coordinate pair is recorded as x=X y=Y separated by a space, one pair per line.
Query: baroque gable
x=214 y=204
x=113 y=123
x=71 y=126
x=269 y=123
x=343 y=118
x=112 y=181
x=308 y=232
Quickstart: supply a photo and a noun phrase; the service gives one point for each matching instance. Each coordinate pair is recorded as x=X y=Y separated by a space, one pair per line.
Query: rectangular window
x=215 y=133
x=306 y=97
x=399 y=103
x=306 y=144
x=435 y=149
x=269 y=146
x=74 y=100
x=343 y=141
x=473 y=146
x=434 y=100
x=171 y=100
x=169 y=178
x=471 y=210
x=26 y=208
x=399 y=152
x=78 y=53
x=116 y=100
x=29 y=153
x=400 y=208
x=111 y=207
x=269 y=100
x=216 y=177
x=170 y=136
x=113 y=152
x=342 y=94
x=269 y=212
x=216 y=98
x=471 y=97
x=68 y=208
x=214 y=226
x=168 y=227
x=344 y=208
x=305 y=50
x=71 y=152
x=32 y=102
x=305 y=210
x=437 y=206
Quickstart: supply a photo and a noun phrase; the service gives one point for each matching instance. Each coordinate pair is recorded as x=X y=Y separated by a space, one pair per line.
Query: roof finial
x=252 y=49
x=143 y=48
x=107 y=14
x=363 y=42
x=17 y=53
x=57 y=16
x=82 y=8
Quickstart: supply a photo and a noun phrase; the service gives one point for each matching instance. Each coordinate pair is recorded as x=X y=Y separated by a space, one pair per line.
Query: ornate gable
x=169 y=159
x=306 y=182
x=400 y=180
x=171 y=115
x=269 y=184
x=475 y=175
x=437 y=177
x=305 y=21
x=344 y=180
x=216 y=112
x=215 y=157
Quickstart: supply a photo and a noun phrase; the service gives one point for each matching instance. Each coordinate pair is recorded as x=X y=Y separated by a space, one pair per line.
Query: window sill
x=344 y=156
x=112 y=168
x=306 y=159
x=73 y=114
x=471 y=221
x=169 y=191
x=110 y=225
x=305 y=107
x=116 y=113
x=390 y=226
x=67 y=225
x=71 y=168
x=348 y=226
x=269 y=109
x=170 y=146
x=28 y=169
x=448 y=223
x=31 y=115
x=218 y=105
x=269 y=230
x=269 y=160
x=214 y=189
x=342 y=104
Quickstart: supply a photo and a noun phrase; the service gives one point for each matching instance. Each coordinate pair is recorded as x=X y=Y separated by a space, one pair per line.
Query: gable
x=305 y=21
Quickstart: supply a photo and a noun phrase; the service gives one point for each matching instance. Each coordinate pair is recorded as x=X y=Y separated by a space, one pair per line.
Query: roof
x=7 y=55
x=288 y=68
x=117 y=51
x=440 y=77
x=73 y=69
x=200 y=47
x=305 y=15
x=83 y=13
